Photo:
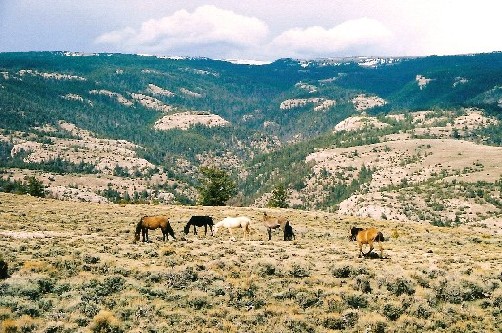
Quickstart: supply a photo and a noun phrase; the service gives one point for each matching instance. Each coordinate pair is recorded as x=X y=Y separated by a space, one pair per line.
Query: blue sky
x=258 y=29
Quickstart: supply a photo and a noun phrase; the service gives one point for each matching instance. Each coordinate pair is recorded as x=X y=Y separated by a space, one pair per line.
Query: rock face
x=184 y=120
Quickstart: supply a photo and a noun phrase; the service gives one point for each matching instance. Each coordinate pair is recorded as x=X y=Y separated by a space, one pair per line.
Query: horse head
x=353 y=233
x=186 y=229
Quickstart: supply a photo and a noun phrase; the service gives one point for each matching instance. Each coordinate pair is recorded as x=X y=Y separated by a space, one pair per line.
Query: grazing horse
x=232 y=223
x=199 y=221
x=153 y=222
x=272 y=222
x=367 y=236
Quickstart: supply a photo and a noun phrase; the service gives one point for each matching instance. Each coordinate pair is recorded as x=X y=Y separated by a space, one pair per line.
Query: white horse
x=232 y=223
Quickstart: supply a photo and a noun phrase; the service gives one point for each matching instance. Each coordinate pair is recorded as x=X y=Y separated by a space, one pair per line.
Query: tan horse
x=367 y=236
x=272 y=222
x=151 y=223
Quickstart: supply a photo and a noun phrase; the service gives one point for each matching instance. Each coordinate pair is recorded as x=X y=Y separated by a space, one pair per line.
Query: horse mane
x=139 y=225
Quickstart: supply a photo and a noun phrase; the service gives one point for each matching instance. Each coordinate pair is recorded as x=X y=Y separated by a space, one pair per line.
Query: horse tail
x=379 y=237
x=170 y=230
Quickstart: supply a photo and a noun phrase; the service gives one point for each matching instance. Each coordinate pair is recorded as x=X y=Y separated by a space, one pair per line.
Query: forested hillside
x=131 y=128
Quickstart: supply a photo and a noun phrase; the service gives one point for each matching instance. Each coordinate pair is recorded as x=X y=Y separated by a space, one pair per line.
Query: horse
x=289 y=235
x=232 y=223
x=151 y=223
x=199 y=221
x=272 y=222
x=367 y=236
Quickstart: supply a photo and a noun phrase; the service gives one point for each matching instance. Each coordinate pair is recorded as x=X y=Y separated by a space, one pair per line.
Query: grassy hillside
x=73 y=266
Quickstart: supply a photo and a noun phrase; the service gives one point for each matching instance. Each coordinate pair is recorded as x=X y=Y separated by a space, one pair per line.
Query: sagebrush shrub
x=265 y=269
x=401 y=286
x=356 y=301
x=105 y=322
x=363 y=284
x=307 y=299
x=392 y=311
x=299 y=271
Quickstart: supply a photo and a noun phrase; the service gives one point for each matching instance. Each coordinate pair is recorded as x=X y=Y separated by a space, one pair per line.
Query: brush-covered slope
x=338 y=133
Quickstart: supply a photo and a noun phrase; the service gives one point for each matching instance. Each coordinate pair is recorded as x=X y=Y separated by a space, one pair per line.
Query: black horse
x=289 y=235
x=199 y=221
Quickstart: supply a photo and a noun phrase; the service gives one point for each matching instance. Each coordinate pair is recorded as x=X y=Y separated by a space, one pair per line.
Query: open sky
x=256 y=29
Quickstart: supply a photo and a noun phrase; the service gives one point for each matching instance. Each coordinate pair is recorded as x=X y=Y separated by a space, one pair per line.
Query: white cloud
x=350 y=35
x=206 y=25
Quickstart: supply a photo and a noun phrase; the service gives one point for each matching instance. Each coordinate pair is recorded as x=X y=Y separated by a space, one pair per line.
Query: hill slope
x=347 y=134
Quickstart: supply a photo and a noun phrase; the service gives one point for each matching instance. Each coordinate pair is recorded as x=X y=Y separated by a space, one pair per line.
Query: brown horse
x=367 y=236
x=272 y=222
x=153 y=222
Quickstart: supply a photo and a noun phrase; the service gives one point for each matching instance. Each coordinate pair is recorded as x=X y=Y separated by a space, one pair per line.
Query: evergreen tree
x=279 y=197
x=35 y=187
x=216 y=187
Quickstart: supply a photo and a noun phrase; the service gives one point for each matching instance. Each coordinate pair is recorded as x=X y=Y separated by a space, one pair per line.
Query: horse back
x=366 y=235
x=274 y=222
x=153 y=222
x=200 y=220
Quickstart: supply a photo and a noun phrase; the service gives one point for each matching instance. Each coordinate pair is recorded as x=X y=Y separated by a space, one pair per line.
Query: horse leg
x=247 y=231
x=360 y=249
x=371 y=248
x=380 y=247
x=269 y=233
x=194 y=230
x=205 y=229
x=143 y=234
x=211 y=228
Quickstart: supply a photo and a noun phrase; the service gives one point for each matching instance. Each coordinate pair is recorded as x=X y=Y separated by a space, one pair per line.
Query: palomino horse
x=367 y=236
x=153 y=222
x=199 y=221
x=232 y=223
x=272 y=222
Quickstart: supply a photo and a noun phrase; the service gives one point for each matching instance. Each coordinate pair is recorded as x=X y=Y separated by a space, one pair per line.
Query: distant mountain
x=117 y=127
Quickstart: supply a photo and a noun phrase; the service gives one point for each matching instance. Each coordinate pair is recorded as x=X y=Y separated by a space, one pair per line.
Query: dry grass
x=86 y=274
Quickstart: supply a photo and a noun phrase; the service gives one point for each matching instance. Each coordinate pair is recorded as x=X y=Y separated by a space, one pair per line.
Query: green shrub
x=401 y=286
x=422 y=311
x=264 y=269
x=297 y=325
x=299 y=271
x=345 y=271
x=307 y=299
x=363 y=284
x=392 y=311
x=356 y=301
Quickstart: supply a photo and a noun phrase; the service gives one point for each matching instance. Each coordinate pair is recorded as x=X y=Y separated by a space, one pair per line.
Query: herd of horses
x=368 y=236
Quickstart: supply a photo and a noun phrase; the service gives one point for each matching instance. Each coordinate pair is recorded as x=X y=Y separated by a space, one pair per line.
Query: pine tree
x=216 y=187
x=279 y=197
x=35 y=187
